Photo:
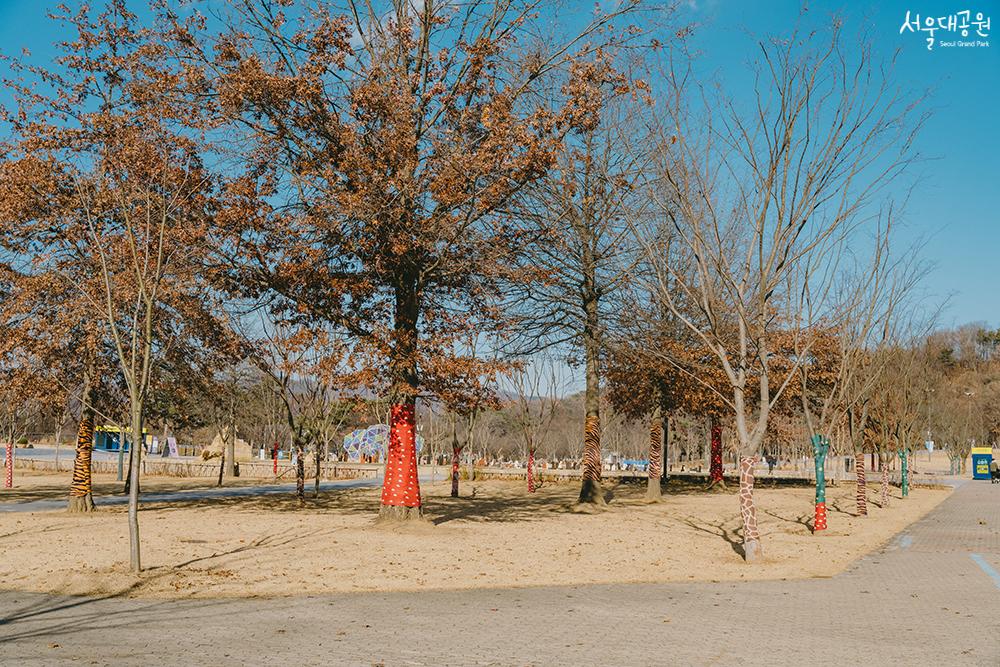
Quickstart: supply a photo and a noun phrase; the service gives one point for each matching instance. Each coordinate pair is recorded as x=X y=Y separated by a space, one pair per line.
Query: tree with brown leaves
x=381 y=146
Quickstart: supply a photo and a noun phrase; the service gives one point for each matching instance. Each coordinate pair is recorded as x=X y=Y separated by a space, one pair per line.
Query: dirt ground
x=495 y=535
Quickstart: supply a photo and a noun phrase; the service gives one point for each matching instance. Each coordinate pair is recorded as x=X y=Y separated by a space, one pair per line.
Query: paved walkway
x=931 y=597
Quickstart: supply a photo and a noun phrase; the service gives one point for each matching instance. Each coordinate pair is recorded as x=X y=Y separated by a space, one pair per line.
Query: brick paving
x=922 y=600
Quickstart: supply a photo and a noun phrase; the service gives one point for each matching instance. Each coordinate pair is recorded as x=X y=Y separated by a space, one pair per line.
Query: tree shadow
x=49 y=616
x=801 y=520
x=734 y=538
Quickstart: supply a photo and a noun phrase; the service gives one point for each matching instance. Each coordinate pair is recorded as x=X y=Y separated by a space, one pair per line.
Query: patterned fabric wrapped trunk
x=820 y=447
x=885 y=481
x=715 y=468
x=751 y=536
x=862 y=497
x=655 y=457
x=904 y=474
x=401 y=486
x=531 y=471
x=591 y=489
x=8 y=465
x=80 y=494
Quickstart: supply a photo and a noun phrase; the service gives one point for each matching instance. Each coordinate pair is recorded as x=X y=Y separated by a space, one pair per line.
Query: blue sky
x=954 y=209
x=955 y=206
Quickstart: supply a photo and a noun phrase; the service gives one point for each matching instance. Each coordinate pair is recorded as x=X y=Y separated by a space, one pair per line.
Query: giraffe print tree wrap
x=401 y=487
x=751 y=536
x=821 y=446
x=859 y=470
x=592 y=449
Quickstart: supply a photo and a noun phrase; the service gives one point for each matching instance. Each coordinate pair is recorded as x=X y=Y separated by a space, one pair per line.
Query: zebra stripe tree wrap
x=859 y=470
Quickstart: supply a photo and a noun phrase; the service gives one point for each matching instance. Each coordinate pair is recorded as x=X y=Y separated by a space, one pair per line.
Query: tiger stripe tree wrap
x=592 y=449
x=820 y=446
x=715 y=469
x=655 y=448
x=80 y=491
x=859 y=470
x=401 y=487
x=531 y=471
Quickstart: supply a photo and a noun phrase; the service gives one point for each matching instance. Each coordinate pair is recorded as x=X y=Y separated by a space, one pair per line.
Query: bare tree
x=752 y=192
x=539 y=391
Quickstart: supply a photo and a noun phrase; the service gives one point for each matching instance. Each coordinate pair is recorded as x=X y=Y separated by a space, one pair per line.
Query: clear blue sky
x=956 y=206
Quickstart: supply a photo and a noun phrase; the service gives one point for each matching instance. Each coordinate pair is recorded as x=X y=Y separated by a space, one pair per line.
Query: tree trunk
x=222 y=467
x=80 y=491
x=230 y=450
x=885 y=478
x=590 y=490
x=655 y=452
x=316 y=456
x=133 y=493
x=8 y=463
x=456 y=453
x=715 y=477
x=905 y=475
x=752 y=551
x=531 y=470
x=820 y=447
x=300 y=470
x=668 y=433
x=862 y=496
x=401 y=483
x=401 y=488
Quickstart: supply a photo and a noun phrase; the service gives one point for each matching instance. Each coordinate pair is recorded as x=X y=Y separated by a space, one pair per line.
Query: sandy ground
x=496 y=535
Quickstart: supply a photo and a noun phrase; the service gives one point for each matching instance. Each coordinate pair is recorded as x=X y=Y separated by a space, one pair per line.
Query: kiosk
x=981 y=459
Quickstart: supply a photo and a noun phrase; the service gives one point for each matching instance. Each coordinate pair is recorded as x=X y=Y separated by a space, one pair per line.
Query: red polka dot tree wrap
x=715 y=469
x=819 y=523
x=401 y=486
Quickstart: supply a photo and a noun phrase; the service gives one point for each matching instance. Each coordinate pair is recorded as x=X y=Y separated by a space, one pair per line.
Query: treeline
x=277 y=217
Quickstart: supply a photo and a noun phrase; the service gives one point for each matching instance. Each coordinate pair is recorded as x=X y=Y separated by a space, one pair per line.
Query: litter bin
x=981 y=459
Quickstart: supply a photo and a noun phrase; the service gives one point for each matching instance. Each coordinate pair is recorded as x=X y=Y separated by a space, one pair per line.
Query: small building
x=109 y=438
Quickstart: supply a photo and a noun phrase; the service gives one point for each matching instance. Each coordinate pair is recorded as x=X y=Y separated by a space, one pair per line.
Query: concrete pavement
x=928 y=598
